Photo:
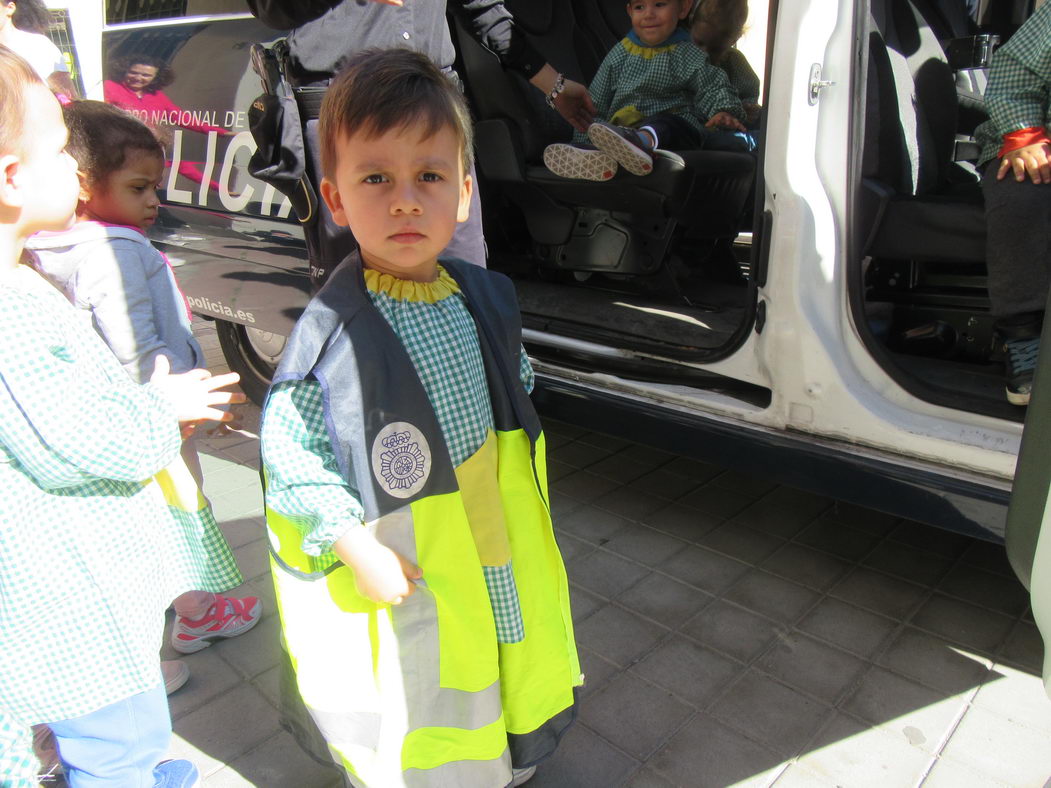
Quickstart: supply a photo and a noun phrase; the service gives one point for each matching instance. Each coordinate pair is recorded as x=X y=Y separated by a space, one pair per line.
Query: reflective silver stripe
x=415 y=623
x=360 y=727
x=461 y=774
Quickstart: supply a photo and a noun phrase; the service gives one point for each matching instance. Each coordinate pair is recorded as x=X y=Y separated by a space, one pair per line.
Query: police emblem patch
x=401 y=459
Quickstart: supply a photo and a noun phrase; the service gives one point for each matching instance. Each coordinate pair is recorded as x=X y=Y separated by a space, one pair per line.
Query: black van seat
x=920 y=205
x=703 y=189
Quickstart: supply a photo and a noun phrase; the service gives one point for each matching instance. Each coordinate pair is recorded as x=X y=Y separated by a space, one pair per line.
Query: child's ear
x=684 y=9
x=463 y=210
x=85 y=188
x=10 y=186
x=330 y=194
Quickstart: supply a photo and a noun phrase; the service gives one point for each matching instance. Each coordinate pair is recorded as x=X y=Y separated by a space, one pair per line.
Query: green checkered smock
x=636 y=81
x=90 y=556
x=439 y=334
x=1019 y=88
x=743 y=78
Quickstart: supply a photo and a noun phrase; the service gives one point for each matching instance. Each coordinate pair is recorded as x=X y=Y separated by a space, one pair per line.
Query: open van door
x=1028 y=534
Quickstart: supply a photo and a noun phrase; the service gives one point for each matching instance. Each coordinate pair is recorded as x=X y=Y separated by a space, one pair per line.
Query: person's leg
x=1018 y=257
x=671 y=131
x=120 y=744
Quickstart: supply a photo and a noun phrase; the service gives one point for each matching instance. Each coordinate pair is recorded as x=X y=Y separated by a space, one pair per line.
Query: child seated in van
x=716 y=26
x=423 y=598
x=654 y=88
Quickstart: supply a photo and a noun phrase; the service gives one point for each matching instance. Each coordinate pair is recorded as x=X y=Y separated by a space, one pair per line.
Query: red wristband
x=1019 y=139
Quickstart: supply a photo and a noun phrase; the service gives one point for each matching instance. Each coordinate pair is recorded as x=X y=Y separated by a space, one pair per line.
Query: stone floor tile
x=717 y=501
x=833 y=537
x=269 y=683
x=242 y=531
x=563 y=429
x=593 y=525
x=210 y=676
x=808 y=567
x=618 y=636
x=796 y=776
x=579 y=455
x=994 y=591
x=606 y=574
x=245 y=453
x=771 y=596
x=879 y=593
x=703 y=568
x=784 y=512
x=254 y=652
x=620 y=468
x=233 y=476
x=868 y=520
x=224 y=729
x=253 y=558
x=633 y=714
x=603 y=441
x=961 y=622
x=847 y=626
x=908 y=563
x=934 y=662
x=708 y=754
x=694 y=469
x=904 y=708
x=245 y=502
x=597 y=671
x=1024 y=648
x=665 y=600
x=584 y=760
x=694 y=673
x=563 y=505
x=645 y=545
x=811 y=666
x=583 y=603
x=584 y=486
x=647 y=455
x=630 y=503
x=732 y=630
x=947 y=773
x=263 y=587
x=989 y=556
x=927 y=537
x=646 y=778
x=735 y=540
x=570 y=546
x=271 y=764
x=556 y=470
x=664 y=484
x=1017 y=696
x=745 y=483
x=849 y=753
x=684 y=522
x=778 y=716
x=992 y=745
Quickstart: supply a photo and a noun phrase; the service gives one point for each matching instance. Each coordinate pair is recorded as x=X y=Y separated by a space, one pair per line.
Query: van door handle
x=816 y=84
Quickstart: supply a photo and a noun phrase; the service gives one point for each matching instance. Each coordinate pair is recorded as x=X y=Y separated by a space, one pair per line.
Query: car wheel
x=253 y=354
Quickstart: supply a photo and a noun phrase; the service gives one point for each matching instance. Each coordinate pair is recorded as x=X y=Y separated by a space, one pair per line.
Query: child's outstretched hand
x=193 y=394
x=1033 y=159
x=380 y=574
x=724 y=120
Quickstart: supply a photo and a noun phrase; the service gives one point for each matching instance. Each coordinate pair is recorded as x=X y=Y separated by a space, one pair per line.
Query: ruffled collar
x=408 y=290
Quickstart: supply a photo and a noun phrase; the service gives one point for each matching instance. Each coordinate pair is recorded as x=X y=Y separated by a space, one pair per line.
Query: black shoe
x=1019 y=365
x=631 y=149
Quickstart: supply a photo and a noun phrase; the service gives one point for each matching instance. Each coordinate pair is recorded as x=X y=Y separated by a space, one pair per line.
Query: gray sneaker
x=631 y=149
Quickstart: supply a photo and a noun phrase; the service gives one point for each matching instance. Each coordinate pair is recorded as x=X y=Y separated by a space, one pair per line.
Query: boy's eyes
x=426 y=177
x=430 y=177
x=375 y=178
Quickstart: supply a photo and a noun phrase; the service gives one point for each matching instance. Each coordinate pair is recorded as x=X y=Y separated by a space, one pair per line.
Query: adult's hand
x=575 y=105
x=1033 y=159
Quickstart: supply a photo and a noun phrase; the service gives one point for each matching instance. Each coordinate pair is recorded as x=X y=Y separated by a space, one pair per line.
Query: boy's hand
x=380 y=574
x=193 y=393
x=724 y=120
x=1034 y=159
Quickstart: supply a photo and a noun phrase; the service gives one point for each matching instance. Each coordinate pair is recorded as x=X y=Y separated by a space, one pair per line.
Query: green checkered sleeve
x=18 y=764
x=303 y=481
x=525 y=372
x=503 y=595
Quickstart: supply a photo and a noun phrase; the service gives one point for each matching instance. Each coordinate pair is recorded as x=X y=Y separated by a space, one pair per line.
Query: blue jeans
x=117 y=745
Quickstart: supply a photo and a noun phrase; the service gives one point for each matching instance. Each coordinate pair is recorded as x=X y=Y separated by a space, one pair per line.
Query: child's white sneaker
x=228 y=617
x=631 y=149
x=587 y=164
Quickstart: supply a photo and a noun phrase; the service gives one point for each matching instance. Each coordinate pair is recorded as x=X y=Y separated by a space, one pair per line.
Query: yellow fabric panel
x=626 y=116
x=446 y=554
x=287 y=541
x=179 y=488
x=426 y=748
x=480 y=489
x=538 y=673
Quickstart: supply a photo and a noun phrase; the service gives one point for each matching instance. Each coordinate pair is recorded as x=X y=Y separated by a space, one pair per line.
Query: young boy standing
x=654 y=89
x=424 y=602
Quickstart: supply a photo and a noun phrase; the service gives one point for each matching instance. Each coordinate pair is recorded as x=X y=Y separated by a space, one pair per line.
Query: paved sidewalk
x=732 y=632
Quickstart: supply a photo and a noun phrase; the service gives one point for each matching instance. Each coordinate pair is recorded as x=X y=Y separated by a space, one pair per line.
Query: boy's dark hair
x=726 y=19
x=30 y=16
x=118 y=67
x=16 y=76
x=384 y=89
x=101 y=136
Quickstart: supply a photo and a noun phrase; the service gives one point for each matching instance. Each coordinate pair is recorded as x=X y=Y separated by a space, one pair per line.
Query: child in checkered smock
x=654 y=89
x=90 y=555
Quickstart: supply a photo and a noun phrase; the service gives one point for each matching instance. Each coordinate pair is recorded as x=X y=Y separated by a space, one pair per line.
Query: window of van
x=121 y=11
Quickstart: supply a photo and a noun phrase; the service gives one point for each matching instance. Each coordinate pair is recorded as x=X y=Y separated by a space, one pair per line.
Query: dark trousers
x=676 y=133
x=1018 y=251
x=328 y=243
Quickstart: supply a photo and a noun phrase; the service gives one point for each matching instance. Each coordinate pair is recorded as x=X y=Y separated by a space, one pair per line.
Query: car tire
x=253 y=354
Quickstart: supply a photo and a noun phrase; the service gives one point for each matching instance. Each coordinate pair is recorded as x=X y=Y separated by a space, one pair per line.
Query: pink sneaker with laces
x=228 y=617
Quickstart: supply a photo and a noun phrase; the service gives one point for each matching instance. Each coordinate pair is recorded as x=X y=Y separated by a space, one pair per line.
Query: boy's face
x=655 y=20
x=45 y=176
x=402 y=195
x=128 y=195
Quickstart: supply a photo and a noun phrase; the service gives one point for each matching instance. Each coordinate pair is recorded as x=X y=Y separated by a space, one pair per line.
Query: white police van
x=816 y=314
